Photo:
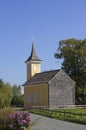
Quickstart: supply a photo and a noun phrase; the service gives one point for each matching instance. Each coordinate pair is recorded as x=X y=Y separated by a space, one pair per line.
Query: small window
x=29 y=98
x=35 y=98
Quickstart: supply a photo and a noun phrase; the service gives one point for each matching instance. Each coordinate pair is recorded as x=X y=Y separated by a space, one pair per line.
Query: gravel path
x=45 y=123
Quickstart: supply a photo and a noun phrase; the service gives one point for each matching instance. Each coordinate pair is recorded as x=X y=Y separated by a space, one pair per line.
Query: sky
x=48 y=21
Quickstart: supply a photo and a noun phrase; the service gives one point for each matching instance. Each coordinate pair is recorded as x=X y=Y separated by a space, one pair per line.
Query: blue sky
x=49 y=21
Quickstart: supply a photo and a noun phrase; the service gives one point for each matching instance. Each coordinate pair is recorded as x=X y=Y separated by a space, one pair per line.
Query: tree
x=18 y=99
x=73 y=53
x=16 y=90
x=1 y=83
x=8 y=94
x=1 y=93
x=5 y=94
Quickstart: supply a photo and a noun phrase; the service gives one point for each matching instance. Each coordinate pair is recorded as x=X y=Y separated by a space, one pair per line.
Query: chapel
x=48 y=88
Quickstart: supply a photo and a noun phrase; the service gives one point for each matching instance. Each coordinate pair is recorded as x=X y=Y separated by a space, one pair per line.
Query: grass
x=77 y=110
x=71 y=115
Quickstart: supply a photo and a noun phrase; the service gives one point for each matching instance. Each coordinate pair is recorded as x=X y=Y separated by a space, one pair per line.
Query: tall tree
x=8 y=94
x=1 y=83
x=5 y=94
x=16 y=90
x=18 y=99
x=73 y=53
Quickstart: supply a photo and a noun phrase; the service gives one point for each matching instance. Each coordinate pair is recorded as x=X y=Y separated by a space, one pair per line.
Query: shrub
x=17 y=120
x=3 y=116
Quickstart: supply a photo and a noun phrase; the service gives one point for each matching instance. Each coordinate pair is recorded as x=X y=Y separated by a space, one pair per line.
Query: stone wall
x=61 y=90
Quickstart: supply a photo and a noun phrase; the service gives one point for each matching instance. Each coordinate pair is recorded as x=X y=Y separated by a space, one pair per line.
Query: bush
x=11 y=120
x=18 y=120
x=3 y=116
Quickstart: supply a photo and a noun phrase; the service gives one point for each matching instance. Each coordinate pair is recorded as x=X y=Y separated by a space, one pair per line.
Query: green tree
x=8 y=94
x=73 y=53
x=1 y=92
x=5 y=94
x=1 y=83
x=18 y=99
x=16 y=90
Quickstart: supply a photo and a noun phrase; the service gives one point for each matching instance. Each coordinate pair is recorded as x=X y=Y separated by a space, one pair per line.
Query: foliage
x=3 y=116
x=16 y=90
x=1 y=83
x=18 y=101
x=73 y=53
x=5 y=94
x=18 y=98
x=17 y=120
x=10 y=95
x=9 y=117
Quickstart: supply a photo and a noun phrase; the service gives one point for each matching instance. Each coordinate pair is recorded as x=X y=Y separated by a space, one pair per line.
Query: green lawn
x=77 y=110
x=72 y=115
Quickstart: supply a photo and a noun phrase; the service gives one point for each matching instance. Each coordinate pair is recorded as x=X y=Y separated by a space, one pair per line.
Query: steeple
x=33 y=63
x=33 y=56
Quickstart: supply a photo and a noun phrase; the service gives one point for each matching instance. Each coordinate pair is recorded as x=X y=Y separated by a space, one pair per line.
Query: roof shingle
x=43 y=77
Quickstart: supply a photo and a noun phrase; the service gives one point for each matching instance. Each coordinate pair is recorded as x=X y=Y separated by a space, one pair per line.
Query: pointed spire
x=33 y=56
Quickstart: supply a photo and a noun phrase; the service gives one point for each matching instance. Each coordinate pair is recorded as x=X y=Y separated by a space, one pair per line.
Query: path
x=53 y=124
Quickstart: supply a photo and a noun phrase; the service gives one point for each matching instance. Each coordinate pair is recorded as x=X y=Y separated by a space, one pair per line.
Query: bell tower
x=32 y=63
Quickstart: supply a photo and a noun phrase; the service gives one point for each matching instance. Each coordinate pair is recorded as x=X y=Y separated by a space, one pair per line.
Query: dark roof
x=43 y=77
x=33 y=56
